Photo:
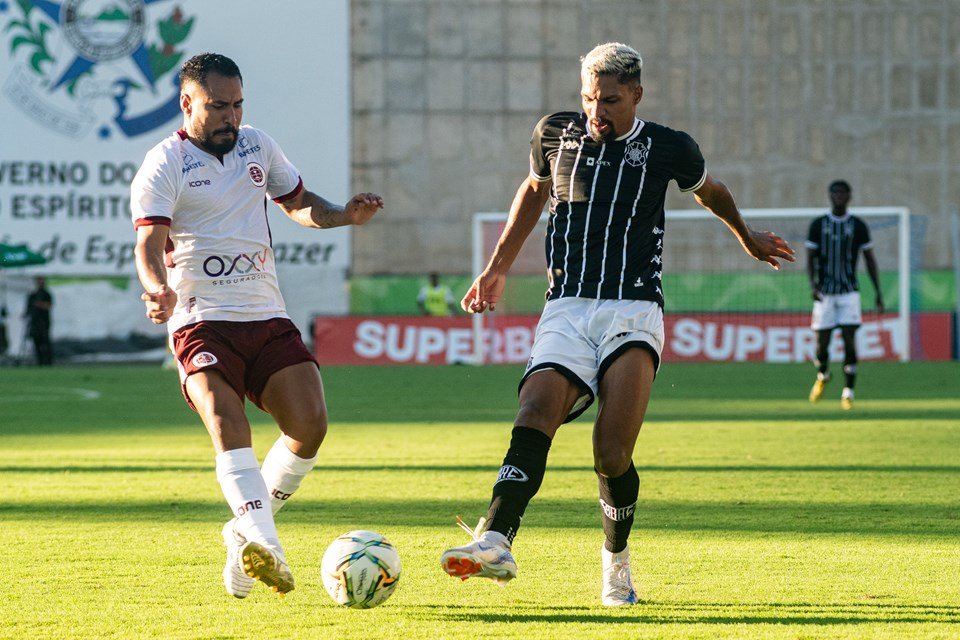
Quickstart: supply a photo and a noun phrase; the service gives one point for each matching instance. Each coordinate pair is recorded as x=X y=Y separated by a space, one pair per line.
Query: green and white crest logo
x=80 y=65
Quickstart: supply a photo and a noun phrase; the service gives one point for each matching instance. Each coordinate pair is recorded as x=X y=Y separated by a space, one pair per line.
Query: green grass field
x=760 y=516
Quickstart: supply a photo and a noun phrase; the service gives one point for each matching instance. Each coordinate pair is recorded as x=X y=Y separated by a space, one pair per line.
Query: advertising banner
x=88 y=86
x=689 y=338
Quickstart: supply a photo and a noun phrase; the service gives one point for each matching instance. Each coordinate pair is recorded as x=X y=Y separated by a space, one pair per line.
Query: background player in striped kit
x=834 y=243
x=606 y=173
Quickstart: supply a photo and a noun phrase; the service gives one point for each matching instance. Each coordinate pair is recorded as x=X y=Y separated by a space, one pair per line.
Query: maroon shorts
x=245 y=353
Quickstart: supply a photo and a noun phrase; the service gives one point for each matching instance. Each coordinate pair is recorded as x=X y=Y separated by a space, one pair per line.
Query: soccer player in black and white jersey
x=205 y=259
x=606 y=174
x=834 y=243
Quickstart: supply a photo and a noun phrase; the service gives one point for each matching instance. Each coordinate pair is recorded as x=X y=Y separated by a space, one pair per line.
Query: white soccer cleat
x=267 y=565
x=237 y=583
x=488 y=556
x=617 y=584
x=846 y=399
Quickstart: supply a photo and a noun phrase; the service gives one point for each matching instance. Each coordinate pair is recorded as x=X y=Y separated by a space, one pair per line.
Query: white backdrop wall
x=83 y=103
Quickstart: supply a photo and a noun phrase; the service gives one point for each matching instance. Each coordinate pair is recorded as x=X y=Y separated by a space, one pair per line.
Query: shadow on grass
x=693 y=613
x=814 y=518
x=476 y=468
x=787 y=412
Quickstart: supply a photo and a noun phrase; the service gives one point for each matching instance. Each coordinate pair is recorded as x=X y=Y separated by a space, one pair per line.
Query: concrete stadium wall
x=782 y=95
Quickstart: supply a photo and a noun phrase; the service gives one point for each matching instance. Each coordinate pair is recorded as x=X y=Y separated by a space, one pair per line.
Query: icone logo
x=76 y=61
x=199 y=183
x=216 y=266
x=249 y=505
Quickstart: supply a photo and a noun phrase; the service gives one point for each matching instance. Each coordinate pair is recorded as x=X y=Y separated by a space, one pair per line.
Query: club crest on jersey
x=510 y=472
x=636 y=154
x=257 y=175
x=204 y=359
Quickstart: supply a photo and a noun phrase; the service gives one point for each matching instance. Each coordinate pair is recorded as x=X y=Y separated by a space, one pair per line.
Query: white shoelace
x=476 y=532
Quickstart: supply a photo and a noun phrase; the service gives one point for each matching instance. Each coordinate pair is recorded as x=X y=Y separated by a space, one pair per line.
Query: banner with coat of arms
x=87 y=87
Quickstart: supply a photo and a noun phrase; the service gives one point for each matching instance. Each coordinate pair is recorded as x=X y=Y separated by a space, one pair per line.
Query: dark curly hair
x=199 y=66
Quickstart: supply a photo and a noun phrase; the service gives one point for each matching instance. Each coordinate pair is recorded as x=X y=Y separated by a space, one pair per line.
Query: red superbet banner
x=689 y=338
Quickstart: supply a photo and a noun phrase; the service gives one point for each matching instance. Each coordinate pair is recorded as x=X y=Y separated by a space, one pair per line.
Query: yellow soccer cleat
x=267 y=565
x=846 y=404
x=817 y=390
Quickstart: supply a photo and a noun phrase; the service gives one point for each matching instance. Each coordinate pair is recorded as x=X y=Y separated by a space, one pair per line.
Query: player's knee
x=308 y=429
x=539 y=414
x=611 y=462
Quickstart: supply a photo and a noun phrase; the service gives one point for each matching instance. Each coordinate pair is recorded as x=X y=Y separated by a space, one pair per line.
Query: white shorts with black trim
x=581 y=337
x=836 y=310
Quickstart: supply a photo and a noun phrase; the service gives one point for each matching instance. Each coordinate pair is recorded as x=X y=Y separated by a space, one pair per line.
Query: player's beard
x=219 y=148
x=606 y=136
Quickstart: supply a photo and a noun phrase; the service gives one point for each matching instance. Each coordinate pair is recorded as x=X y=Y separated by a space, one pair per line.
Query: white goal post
x=696 y=242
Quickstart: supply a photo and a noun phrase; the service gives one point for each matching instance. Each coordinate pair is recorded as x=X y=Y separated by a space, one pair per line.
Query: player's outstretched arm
x=159 y=299
x=765 y=246
x=486 y=290
x=311 y=210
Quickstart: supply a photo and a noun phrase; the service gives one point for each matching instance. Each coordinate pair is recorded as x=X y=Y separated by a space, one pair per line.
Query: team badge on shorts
x=257 y=175
x=203 y=359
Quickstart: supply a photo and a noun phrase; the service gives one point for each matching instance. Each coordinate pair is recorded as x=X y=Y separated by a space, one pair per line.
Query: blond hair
x=613 y=59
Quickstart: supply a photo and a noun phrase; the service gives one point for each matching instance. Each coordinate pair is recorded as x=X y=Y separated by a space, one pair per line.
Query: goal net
x=720 y=305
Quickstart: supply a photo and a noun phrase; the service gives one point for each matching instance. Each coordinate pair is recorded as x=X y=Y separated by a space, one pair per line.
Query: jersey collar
x=637 y=125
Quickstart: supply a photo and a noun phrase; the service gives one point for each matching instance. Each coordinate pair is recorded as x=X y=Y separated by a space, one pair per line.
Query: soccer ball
x=360 y=569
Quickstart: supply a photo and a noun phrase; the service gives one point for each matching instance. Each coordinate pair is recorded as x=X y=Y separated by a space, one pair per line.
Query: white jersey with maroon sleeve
x=219 y=257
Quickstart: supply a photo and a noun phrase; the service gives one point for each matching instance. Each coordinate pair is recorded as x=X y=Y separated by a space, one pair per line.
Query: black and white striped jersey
x=605 y=232
x=837 y=242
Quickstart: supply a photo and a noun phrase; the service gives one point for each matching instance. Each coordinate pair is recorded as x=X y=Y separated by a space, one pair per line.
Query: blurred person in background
x=436 y=299
x=37 y=314
x=834 y=243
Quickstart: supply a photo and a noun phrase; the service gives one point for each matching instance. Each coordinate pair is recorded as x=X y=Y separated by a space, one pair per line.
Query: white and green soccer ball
x=360 y=569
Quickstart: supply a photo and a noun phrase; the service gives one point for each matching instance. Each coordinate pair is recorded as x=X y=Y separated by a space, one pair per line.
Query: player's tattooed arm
x=311 y=210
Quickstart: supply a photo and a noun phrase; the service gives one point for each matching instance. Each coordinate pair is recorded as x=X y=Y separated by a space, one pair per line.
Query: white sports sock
x=283 y=471
x=246 y=493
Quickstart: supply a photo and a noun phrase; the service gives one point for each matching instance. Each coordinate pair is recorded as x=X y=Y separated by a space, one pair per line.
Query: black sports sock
x=618 y=500
x=850 y=374
x=519 y=480
x=823 y=352
x=849 y=355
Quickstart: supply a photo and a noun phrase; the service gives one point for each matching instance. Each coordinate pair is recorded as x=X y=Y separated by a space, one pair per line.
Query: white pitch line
x=85 y=394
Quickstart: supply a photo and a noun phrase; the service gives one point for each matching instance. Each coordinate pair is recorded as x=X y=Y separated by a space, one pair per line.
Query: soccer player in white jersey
x=833 y=244
x=204 y=257
x=605 y=173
